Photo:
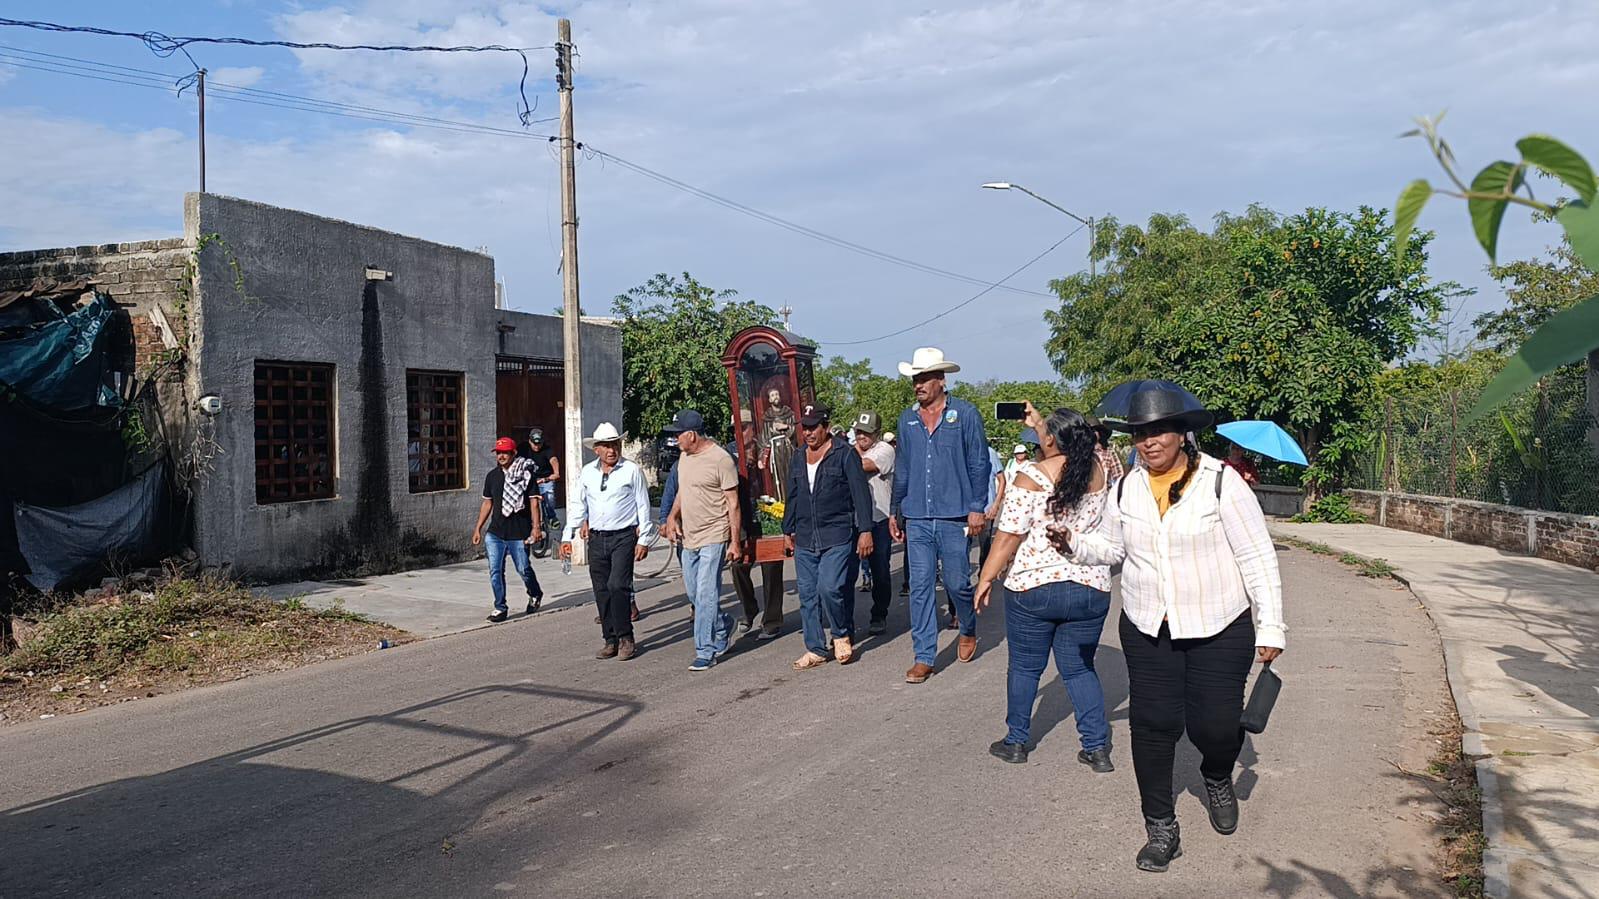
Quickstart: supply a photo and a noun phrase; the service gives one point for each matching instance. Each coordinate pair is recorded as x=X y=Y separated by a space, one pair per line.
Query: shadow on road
x=321 y=811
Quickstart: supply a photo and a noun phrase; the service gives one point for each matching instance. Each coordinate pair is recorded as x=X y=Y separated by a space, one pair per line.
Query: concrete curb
x=1495 y=866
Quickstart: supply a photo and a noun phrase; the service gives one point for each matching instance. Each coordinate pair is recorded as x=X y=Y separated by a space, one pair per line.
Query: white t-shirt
x=810 y=472
x=882 y=483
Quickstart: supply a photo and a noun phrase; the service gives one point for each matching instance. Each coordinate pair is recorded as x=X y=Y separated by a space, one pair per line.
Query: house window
x=293 y=431
x=433 y=430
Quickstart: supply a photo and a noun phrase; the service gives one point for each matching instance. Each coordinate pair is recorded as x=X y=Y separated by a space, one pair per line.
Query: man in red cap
x=512 y=522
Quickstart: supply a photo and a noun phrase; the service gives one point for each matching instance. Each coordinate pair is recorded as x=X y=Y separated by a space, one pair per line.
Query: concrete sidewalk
x=431 y=602
x=1521 y=645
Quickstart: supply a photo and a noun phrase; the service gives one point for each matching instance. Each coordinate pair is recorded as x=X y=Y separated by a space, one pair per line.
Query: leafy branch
x=1572 y=333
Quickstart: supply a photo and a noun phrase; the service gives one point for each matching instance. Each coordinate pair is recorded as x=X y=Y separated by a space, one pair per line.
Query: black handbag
x=1261 y=699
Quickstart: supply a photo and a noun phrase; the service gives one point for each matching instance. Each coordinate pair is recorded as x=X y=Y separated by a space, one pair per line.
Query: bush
x=1333 y=508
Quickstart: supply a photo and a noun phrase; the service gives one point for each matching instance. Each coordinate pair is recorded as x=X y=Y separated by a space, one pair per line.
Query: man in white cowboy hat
x=941 y=480
x=611 y=510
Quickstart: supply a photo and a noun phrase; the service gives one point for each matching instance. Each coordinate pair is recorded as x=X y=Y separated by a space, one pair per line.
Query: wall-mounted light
x=377 y=274
x=210 y=404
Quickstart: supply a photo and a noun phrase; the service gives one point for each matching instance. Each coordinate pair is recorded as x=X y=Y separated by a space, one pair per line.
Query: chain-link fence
x=1540 y=450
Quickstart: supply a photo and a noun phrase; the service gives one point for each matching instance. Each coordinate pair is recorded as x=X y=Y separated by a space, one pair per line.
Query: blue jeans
x=929 y=541
x=1068 y=617
x=702 y=581
x=547 y=494
x=882 y=581
x=498 y=549
x=826 y=588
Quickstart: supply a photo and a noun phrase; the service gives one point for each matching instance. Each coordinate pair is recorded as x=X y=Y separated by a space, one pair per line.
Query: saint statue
x=778 y=429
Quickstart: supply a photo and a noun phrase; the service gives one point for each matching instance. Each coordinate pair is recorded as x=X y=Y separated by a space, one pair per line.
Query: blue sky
x=872 y=121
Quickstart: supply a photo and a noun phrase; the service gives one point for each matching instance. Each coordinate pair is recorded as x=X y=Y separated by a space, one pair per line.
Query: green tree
x=674 y=331
x=1284 y=318
x=850 y=388
x=1101 y=334
x=1536 y=290
x=1045 y=395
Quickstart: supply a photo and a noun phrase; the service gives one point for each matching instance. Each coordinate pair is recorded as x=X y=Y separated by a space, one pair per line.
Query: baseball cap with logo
x=686 y=420
x=813 y=416
x=868 y=422
x=505 y=445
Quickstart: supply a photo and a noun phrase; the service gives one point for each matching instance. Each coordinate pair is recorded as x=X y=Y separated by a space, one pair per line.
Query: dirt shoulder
x=181 y=633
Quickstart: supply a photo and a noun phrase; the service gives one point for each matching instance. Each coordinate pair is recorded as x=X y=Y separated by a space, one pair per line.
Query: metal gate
x=531 y=394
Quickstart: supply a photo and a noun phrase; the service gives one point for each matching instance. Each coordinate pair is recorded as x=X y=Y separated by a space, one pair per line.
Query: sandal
x=843 y=650
x=809 y=660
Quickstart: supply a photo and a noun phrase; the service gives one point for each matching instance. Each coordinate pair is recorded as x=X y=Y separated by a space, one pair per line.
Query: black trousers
x=611 y=573
x=1185 y=685
x=771 y=584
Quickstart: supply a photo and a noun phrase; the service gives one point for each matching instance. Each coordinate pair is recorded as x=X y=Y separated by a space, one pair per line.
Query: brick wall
x=1557 y=536
x=139 y=276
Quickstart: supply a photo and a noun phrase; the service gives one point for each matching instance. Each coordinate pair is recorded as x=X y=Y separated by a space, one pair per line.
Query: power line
x=278 y=100
x=962 y=304
x=163 y=45
x=213 y=85
x=796 y=228
x=217 y=90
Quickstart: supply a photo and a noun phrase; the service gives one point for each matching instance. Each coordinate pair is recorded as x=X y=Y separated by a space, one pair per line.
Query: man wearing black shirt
x=546 y=466
x=509 y=533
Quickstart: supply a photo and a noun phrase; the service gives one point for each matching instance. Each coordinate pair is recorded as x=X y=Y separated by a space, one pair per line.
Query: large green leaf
x=1581 y=222
x=1407 y=210
x=1560 y=161
x=1567 y=337
x=1486 y=215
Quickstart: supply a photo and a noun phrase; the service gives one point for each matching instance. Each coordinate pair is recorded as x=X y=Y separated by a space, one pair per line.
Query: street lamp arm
x=1052 y=205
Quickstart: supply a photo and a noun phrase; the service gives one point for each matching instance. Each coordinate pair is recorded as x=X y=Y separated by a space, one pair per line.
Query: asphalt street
x=509 y=761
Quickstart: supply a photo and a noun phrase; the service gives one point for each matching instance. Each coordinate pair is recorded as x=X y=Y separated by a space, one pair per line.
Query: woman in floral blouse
x=1050 y=602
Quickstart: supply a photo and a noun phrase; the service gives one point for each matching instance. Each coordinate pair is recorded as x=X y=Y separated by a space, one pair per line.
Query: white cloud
x=246 y=76
x=875 y=122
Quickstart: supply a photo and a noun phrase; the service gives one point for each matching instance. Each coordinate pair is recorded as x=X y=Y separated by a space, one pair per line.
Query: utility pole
x=200 y=92
x=571 y=315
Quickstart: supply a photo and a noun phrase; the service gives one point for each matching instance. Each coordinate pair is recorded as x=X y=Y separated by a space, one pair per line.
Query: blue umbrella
x=1266 y=438
x=1114 y=403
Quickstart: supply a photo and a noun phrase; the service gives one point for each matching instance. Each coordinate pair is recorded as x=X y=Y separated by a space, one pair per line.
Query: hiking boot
x=626 y=649
x=1165 y=843
x=608 y=651
x=1223 y=805
x=1163 y=847
x=1098 y=759
x=498 y=617
x=1015 y=753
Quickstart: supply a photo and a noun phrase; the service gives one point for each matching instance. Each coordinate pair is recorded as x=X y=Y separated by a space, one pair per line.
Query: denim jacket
x=944 y=474
x=840 y=506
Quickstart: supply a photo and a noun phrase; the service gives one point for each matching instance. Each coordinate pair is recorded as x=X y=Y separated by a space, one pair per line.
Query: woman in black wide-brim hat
x=1197 y=559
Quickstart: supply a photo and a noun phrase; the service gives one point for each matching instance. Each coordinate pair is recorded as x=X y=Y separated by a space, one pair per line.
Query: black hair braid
x=1192 y=452
x=1075 y=440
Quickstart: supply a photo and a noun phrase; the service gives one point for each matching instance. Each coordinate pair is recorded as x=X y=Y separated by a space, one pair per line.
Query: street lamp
x=1089 y=222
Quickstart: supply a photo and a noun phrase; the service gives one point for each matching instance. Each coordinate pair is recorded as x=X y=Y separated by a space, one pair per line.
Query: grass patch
x=1373 y=568
x=204 y=629
x=1463 y=840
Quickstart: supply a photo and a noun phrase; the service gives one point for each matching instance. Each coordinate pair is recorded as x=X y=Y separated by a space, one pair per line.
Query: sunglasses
x=605 y=478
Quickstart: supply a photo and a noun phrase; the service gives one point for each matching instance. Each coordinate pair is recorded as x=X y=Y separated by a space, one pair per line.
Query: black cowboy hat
x=1162 y=405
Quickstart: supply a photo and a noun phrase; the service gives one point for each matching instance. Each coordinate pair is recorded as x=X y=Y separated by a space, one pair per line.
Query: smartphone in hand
x=1010 y=411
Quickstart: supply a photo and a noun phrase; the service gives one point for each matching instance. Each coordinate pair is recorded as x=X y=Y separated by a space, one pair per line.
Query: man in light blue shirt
x=610 y=509
x=941 y=484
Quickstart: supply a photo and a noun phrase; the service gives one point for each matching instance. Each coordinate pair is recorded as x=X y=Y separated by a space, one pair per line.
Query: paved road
x=507 y=761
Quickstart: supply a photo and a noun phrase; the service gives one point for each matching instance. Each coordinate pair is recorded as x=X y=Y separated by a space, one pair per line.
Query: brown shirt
x=701 y=479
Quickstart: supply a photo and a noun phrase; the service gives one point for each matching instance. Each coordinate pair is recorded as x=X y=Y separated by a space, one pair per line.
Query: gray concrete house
x=329 y=392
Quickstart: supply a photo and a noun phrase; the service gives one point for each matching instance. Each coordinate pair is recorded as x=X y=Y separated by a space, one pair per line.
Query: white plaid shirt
x=1200 y=566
